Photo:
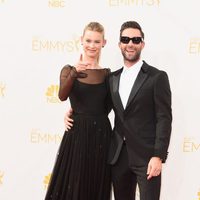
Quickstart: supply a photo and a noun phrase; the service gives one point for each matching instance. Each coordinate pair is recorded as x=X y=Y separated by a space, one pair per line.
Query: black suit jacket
x=146 y=120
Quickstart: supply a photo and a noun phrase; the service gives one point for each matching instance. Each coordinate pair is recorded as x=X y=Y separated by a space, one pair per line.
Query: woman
x=81 y=171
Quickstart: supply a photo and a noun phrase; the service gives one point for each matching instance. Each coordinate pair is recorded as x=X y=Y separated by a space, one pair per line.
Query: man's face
x=131 y=50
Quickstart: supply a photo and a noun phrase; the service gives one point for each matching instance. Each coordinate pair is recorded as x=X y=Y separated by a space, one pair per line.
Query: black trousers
x=125 y=180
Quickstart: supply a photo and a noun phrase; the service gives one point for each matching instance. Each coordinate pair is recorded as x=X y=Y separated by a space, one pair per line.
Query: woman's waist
x=91 y=119
x=89 y=114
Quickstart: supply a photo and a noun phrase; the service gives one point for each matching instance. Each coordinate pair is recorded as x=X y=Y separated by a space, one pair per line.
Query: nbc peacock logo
x=1 y=178
x=46 y=180
x=2 y=89
x=52 y=94
x=198 y=194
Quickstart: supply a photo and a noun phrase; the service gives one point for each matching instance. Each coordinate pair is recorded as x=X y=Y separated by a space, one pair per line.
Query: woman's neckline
x=95 y=68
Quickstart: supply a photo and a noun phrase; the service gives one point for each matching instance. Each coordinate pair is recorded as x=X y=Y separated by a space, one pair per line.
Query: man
x=141 y=99
x=142 y=105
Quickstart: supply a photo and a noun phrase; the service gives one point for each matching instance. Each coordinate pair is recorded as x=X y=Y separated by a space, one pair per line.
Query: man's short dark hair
x=131 y=24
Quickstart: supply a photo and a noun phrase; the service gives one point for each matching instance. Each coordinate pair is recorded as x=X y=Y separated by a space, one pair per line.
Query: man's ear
x=143 y=44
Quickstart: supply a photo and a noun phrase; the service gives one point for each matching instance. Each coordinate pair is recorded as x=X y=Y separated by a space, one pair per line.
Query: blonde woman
x=81 y=171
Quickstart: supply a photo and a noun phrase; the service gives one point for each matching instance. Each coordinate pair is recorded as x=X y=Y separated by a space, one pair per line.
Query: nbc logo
x=2 y=89
x=46 y=180
x=52 y=94
x=198 y=195
x=56 y=4
x=1 y=177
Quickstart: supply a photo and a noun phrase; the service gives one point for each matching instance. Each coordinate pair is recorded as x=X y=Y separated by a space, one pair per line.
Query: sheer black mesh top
x=87 y=91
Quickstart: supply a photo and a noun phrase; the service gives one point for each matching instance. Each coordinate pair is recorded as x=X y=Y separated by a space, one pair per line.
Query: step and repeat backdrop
x=38 y=37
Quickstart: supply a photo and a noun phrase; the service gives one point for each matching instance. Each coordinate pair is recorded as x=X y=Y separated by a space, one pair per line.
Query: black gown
x=81 y=171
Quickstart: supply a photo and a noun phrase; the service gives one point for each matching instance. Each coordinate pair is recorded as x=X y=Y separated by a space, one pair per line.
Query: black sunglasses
x=126 y=40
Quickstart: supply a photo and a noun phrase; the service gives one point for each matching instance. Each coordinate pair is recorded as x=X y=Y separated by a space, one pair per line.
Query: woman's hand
x=82 y=65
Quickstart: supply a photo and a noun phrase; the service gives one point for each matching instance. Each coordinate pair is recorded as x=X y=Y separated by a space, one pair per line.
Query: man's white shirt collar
x=127 y=79
x=134 y=67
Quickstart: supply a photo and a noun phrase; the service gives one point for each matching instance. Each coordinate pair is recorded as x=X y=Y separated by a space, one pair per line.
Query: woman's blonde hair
x=94 y=26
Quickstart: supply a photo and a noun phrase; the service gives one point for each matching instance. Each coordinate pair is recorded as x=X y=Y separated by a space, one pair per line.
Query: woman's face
x=92 y=42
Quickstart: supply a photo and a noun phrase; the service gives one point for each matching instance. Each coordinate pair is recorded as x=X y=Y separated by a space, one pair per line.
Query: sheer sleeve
x=67 y=76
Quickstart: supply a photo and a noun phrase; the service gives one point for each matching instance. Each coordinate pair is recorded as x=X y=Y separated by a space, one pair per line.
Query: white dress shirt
x=127 y=79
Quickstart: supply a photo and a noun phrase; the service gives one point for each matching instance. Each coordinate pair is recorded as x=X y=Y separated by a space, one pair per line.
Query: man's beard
x=133 y=58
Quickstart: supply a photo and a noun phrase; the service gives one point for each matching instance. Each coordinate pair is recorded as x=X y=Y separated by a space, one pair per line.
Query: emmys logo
x=194 y=46
x=1 y=177
x=46 y=180
x=133 y=3
x=190 y=146
x=56 y=4
x=2 y=89
x=52 y=94
x=42 y=45
x=38 y=137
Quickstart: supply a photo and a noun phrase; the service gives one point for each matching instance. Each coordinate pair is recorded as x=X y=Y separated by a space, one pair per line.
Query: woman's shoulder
x=67 y=67
x=107 y=71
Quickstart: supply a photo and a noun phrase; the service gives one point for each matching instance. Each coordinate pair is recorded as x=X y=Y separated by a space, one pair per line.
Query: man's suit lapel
x=114 y=82
x=138 y=83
